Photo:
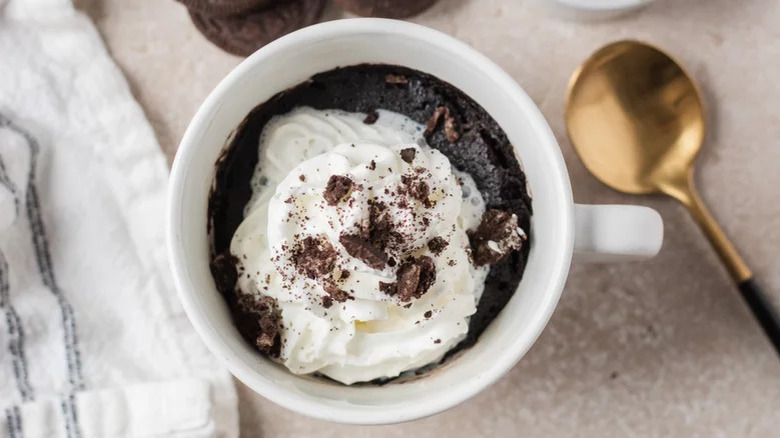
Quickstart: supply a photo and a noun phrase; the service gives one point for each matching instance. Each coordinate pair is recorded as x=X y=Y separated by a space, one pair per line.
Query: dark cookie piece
x=450 y=131
x=382 y=232
x=415 y=277
x=407 y=280
x=243 y=34
x=223 y=269
x=370 y=119
x=314 y=257
x=388 y=288
x=334 y=292
x=223 y=8
x=269 y=322
x=495 y=237
x=427 y=275
x=437 y=245
x=408 y=154
x=363 y=250
x=385 y=8
x=417 y=189
x=338 y=187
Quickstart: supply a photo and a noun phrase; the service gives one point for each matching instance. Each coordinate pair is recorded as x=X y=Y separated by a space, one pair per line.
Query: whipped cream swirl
x=345 y=314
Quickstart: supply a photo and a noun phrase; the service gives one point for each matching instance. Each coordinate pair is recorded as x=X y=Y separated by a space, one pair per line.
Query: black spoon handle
x=763 y=309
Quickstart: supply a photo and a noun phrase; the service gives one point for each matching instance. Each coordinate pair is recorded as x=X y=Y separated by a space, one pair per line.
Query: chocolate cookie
x=223 y=8
x=385 y=8
x=243 y=35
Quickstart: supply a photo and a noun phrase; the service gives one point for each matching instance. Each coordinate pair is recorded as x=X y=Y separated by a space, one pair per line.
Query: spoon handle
x=763 y=310
x=760 y=304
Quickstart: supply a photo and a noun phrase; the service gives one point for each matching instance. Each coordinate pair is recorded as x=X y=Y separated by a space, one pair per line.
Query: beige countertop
x=662 y=348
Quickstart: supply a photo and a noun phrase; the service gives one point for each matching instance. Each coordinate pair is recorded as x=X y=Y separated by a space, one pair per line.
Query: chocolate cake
x=454 y=124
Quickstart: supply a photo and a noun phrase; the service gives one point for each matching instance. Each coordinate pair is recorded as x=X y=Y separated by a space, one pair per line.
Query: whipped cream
x=339 y=317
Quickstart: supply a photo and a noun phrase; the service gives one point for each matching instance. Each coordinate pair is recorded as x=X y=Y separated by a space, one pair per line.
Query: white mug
x=559 y=227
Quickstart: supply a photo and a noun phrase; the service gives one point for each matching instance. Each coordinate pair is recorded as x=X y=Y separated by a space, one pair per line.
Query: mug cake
x=367 y=224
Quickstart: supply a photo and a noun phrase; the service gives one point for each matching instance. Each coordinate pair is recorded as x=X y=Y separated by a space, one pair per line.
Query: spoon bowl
x=635 y=117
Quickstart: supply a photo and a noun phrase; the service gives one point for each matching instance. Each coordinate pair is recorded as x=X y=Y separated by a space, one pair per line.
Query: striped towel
x=93 y=341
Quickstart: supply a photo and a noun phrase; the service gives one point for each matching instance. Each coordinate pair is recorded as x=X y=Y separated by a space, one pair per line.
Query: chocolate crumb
x=396 y=79
x=314 y=257
x=495 y=237
x=302 y=178
x=327 y=301
x=437 y=245
x=336 y=293
x=452 y=263
x=450 y=130
x=437 y=341
x=345 y=274
x=371 y=117
x=428 y=314
x=363 y=250
x=408 y=154
x=338 y=187
x=418 y=190
x=388 y=288
x=372 y=165
x=269 y=322
x=408 y=279
x=391 y=262
x=415 y=277
x=381 y=227
x=223 y=269
x=427 y=274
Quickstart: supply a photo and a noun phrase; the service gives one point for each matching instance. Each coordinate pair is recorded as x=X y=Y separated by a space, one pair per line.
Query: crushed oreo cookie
x=363 y=250
x=495 y=237
x=223 y=269
x=417 y=189
x=337 y=189
x=371 y=117
x=408 y=154
x=314 y=257
x=269 y=322
x=335 y=293
x=388 y=288
x=437 y=245
x=413 y=279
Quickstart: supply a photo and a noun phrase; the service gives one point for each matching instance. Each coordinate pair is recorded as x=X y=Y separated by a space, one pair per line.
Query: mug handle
x=612 y=233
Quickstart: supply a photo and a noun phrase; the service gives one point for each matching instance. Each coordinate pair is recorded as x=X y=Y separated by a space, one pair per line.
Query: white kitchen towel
x=93 y=340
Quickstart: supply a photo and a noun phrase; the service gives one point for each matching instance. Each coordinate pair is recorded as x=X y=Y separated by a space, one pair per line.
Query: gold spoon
x=636 y=120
